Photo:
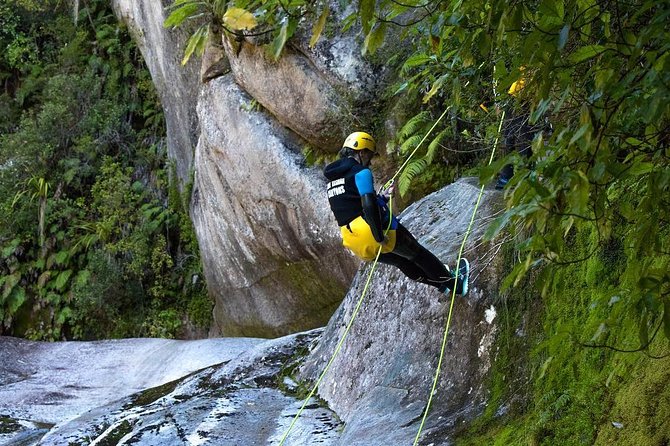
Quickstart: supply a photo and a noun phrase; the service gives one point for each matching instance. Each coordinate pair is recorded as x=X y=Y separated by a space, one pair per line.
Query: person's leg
x=514 y=129
x=430 y=268
x=408 y=268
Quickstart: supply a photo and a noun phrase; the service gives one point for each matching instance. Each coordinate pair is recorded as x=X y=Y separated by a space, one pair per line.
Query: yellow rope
x=453 y=294
x=417 y=147
x=360 y=300
x=337 y=349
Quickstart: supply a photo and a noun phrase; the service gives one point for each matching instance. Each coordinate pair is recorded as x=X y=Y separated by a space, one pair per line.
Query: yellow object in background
x=517 y=86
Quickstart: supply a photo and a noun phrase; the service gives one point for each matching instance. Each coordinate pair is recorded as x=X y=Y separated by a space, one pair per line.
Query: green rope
x=417 y=147
x=453 y=294
x=337 y=349
x=367 y=283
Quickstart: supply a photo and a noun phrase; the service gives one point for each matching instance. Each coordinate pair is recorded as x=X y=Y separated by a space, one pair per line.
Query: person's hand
x=387 y=192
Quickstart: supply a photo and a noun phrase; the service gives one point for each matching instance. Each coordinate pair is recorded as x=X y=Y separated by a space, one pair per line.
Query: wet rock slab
x=243 y=401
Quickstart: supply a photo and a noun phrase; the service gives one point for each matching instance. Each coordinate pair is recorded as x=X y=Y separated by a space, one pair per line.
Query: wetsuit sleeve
x=371 y=211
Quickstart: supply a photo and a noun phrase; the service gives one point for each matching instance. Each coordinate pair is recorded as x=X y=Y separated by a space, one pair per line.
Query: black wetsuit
x=350 y=190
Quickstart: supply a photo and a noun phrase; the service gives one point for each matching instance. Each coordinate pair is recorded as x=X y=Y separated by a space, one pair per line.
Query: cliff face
x=266 y=235
x=271 y=250
x=272 y=253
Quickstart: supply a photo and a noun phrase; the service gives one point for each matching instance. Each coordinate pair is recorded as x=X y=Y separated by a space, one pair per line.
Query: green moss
x=8 y=425
x=112 y=439
x=150 y=395
x=642 y=406
x=566 y=392
x=319 y=296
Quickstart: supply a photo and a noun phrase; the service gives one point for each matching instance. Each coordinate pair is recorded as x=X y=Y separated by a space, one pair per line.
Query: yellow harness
x=357 y=237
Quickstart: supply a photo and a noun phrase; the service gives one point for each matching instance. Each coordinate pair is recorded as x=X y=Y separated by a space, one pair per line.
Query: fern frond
x=413 y=169
x=415 y=124
x=435 y=144
x=410 y=144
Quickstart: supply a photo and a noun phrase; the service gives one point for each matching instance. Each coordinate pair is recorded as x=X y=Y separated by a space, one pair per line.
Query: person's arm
x=371 y=211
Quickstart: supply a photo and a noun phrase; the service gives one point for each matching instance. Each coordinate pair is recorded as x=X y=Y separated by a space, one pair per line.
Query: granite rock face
x=267 y=237
x=318 y=92
x=240 y=400
x=382 y=376
x=239 y=121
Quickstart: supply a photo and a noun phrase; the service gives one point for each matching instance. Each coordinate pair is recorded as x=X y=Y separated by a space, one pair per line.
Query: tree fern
x=414 y=168
x=410 y=144
x=414 y=125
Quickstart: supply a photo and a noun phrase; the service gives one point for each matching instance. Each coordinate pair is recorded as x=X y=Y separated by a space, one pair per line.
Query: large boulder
x=270 y=246
x=380 y=380
x=320 y=92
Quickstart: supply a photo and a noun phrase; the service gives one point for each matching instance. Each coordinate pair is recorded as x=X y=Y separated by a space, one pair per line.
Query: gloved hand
x=387 y=191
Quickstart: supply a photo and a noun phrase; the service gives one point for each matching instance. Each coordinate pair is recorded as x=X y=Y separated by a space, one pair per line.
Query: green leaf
x=286 y=31
x=552 y=8
x=437 y=85
x=586 y=52
x=64 y=315
x=179 y=15
x=43 y=278
x=644 y=329
x=497 y=225
x=82 y=277
x=318 y=27
x=195 y=43
x=640 y=168
x=666 y=318
x=436 y=144
x=61 y=257
x=62 y=279
x=11 y=248
x=414 y=125
x=374 y=39
x=17 y=298
x=579 y=133
x=649 y=283
x=366 y=11
x=413 y=169
x=10 y=282
x=545 y=365
x=410 y=144
x=416 y=60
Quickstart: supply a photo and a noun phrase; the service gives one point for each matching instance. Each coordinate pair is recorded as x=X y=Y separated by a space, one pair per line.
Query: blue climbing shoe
x=462 y=277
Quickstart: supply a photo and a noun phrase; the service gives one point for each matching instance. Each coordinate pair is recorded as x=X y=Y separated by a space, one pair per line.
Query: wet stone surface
x=243 y=401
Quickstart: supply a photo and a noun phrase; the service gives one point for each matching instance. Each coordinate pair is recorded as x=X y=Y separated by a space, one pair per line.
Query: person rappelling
x=366 y=222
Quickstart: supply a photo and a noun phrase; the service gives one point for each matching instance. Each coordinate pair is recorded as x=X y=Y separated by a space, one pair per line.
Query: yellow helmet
x=360 y=141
